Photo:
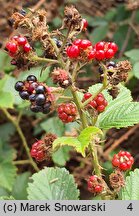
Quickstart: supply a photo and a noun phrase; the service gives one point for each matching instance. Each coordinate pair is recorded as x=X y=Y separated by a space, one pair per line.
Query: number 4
x=130 y=207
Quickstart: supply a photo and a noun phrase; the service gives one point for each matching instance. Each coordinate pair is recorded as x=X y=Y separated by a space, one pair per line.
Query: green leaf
x=19 y=191
x=136 y=70
x=6 y=100
x=61 y=156
x=81 y=142
x=95 y=88
x=52 y=184
x=131 y=189
x=7 y=198
x=99 y=33
x=7 y=169
x=123 y=97
x=122 y=116
x=133 y=54
x=6 y=152
x=3 y=192
x=53 y=125
x=7 y=174
x=6 y=130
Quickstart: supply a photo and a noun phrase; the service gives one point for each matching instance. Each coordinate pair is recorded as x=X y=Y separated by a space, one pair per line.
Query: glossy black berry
x=40 y=99
x=22 y=12
x=32 y=97
x=111 y=64
x=46 y=107
x=40 y=89
x=36 y=108
x=58 y=42
x=19 y=86
x=31 y=78
x=24 y=95
x=100 y=70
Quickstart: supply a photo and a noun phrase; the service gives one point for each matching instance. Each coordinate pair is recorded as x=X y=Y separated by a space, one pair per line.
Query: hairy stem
x=45 y=60
x=17 y=126
x=78 y=104
x=21 y=162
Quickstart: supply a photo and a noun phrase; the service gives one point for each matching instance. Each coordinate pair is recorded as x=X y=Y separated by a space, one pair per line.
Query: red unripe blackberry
x=11 y=47
x=27 y=48
x=21 y=41
x=100 y=45
x=73 y=51
x=99 y=102
x=109 y=53
x=77 y=42
x=85 y=23
x=101 y=108
x=100 y=55
x=113 y=46
x=123 y=160
x=38 y=151
x=91 y=54
x=95 y=184
x=67 y=112
x=85 y=43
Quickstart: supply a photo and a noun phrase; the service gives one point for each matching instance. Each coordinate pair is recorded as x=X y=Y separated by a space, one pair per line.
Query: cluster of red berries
x=94 y=184
x=123 y=160
x=38 y=151
x=35 y=92
x=79 y=48
x=67 y=112
x=99 y=102
x=17 y=44
x=105 y=50
x=100 y=51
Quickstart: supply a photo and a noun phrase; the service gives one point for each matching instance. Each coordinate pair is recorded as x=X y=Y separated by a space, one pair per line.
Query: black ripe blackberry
x=36 y=108
x=24 y=95
x=58 y=42
x=40 y=89
x=19 y=86
x=111 y=64
x=40 y=99
x=46 y=107
x=31 y=78
x=32 y=97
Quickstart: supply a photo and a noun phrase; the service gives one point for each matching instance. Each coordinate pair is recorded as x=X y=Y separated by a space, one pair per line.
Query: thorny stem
x=17 y=126
x=92 y=146
x=96 y=165
x=78 y=103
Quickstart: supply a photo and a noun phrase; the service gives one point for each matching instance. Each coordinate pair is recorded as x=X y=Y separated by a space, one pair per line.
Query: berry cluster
x=17 y=44
x=105 y=50
x=38 y=151
x=99 y=102
x=95 y=184
x=100 y=51
x=123 y=160
x=79 y=49
x=41 y=150
x=35 y=92
x=67 y=112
